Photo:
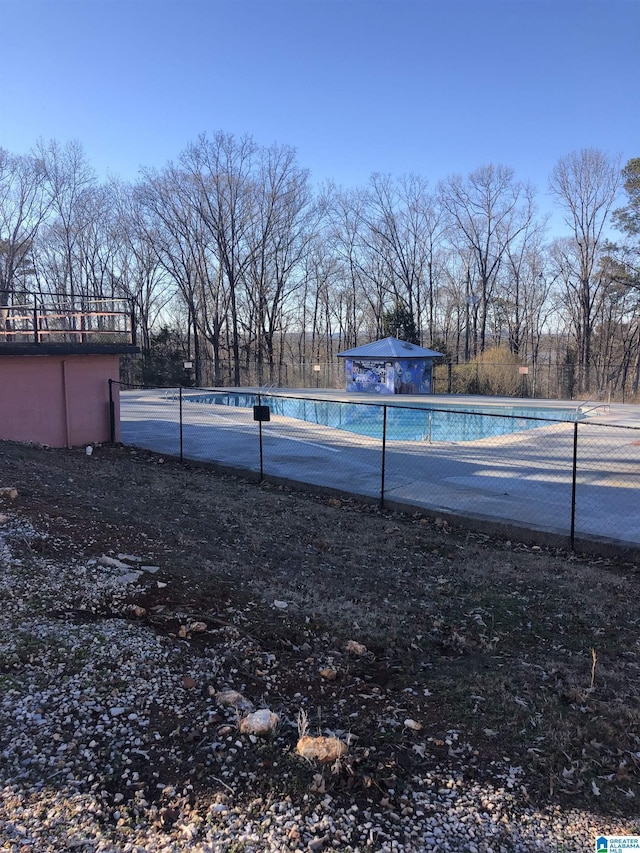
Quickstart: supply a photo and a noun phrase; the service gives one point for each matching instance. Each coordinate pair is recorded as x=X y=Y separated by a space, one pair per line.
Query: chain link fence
x=546 y=380
x=543 y=472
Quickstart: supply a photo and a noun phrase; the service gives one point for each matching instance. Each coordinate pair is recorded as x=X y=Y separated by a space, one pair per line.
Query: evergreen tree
x=398 y=322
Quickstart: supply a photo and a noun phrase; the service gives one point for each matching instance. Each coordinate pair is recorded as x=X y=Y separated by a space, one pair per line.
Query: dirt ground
x=498 y=651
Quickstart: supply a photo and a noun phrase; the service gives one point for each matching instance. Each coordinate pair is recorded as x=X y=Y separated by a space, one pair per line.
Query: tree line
x=235 y=263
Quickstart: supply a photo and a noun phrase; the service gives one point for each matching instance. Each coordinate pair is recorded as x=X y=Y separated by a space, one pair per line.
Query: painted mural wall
x=401 y=376
x=371 y=377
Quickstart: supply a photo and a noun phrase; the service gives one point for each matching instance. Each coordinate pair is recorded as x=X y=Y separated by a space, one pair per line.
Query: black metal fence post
x=260 y=439
x=181 y=429
x=384 y=447
x=573 y=483
x=112 y=414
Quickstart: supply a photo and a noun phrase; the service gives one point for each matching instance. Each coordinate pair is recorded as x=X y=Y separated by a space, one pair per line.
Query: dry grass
x=515 y=653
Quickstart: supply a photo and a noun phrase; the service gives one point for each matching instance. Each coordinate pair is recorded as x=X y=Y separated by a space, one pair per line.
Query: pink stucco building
x=57 y=392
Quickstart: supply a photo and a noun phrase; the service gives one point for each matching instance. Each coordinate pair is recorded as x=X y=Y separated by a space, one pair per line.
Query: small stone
x=130 y=577
x=414 y=725
x=356 y=648
x=169 y=816
x=9 y=493
x=262 y=722
x=112 y=563
x=188 y=682
x=324 y=750
x=328 y=674
x=233 y=699
x=318 y=786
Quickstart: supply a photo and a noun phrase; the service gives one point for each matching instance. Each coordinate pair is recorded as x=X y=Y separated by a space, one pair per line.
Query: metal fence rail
x=567 y=477
x=548 y=380
x=61 y=318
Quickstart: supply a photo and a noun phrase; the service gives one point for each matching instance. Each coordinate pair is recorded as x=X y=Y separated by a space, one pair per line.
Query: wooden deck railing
x=60 y=319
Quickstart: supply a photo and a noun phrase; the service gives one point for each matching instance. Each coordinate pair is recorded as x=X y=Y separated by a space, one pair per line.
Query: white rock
x=129 y=577
x=262 y=722
x=112 y=562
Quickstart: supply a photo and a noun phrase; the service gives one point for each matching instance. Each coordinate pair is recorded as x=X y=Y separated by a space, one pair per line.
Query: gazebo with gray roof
x=390 y=366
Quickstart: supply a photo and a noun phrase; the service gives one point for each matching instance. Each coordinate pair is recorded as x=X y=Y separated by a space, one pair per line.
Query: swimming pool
x=404 y=423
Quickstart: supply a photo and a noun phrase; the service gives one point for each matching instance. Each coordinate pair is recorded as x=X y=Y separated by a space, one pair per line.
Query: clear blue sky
x=428 y=86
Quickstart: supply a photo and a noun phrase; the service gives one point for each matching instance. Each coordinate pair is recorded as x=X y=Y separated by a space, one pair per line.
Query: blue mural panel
x=402 y=376
x=371 y=377
x=412 y=376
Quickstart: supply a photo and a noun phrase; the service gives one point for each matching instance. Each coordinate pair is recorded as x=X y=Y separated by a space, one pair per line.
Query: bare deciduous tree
x=487 y=212
x=23 y=207
x=585 y=183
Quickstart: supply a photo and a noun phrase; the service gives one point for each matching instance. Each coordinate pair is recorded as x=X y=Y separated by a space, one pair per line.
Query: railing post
x=36 y=336
x=573 y=484
x=132 y=320
x=384 y=446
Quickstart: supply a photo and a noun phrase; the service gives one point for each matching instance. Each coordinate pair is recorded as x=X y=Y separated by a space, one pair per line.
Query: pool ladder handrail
x=267 y=387
x=580 y=410
x=426 y=436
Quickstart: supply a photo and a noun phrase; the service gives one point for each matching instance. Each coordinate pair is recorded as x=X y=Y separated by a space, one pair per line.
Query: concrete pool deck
x=622 y=414
x=521 y=482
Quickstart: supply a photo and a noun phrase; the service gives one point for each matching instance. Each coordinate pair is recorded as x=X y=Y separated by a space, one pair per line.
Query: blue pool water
x=404 y=423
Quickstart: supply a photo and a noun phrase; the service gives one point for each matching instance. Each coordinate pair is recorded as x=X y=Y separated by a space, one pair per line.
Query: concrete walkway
x=523 y=480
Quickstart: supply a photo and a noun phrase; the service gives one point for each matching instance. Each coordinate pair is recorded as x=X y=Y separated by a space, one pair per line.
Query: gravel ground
x=119 y=730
